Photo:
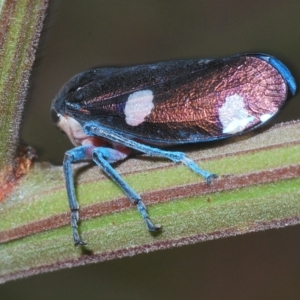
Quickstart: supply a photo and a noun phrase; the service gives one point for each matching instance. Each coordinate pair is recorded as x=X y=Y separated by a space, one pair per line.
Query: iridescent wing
x=181 y=101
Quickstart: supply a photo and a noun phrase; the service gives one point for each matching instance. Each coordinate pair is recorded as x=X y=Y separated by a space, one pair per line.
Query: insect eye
x=55 y=116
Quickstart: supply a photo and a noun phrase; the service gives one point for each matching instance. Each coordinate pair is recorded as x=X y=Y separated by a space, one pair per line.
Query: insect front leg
x=102 y=156
x=76 y=154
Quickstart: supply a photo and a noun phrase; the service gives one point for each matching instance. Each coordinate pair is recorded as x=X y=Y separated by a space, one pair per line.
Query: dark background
x=83 y=34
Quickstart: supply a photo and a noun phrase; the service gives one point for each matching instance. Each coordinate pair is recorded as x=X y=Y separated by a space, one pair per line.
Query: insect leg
x=102 y=156
x=71 y=156
x=93 y=128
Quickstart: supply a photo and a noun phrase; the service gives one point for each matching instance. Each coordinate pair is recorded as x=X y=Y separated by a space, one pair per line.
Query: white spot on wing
x=138 y=107
x=265 y=117
x=233 y=115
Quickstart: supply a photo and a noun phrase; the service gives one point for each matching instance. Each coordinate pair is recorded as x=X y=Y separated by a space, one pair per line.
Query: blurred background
x=83 y=34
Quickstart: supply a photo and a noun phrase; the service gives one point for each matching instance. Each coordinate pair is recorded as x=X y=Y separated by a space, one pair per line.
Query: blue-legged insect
x=106 y=112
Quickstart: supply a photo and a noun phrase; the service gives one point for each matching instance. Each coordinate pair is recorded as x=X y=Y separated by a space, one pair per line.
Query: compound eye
x=55 y=116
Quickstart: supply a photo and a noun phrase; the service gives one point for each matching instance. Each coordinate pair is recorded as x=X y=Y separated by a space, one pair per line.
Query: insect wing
x=183 y=101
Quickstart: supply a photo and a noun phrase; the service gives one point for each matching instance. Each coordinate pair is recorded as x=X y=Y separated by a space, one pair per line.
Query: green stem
x=20 y=27
x=258 y=188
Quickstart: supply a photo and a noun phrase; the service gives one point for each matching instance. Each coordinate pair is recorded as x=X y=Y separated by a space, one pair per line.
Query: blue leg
x=102 y=156
x=93 y=128
x=71 y=156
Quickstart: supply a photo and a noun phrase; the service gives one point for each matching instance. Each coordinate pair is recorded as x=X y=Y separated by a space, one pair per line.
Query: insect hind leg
x=93 y=128
x=102 y=156
x=178 y=157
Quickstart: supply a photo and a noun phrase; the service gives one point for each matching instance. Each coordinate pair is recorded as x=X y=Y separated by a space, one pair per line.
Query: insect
x=107 y=112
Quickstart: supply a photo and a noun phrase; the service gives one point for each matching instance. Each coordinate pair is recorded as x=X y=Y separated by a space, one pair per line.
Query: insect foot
x=193 y=166
x=210 y=177
x=143 y=211
x=74 y=219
